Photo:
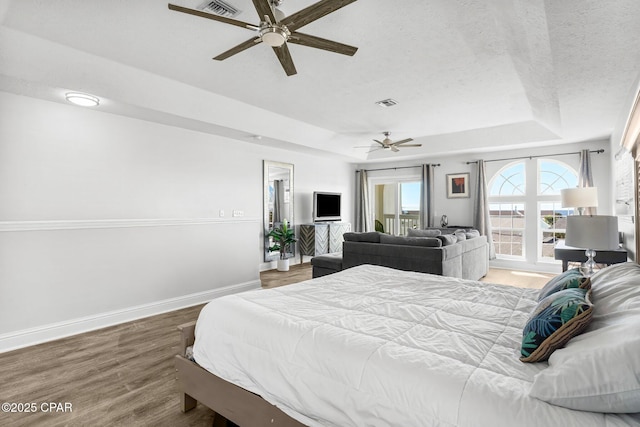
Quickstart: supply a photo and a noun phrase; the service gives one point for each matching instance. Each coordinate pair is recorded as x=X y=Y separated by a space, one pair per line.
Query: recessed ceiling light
x=387 y=102
x=82 y=99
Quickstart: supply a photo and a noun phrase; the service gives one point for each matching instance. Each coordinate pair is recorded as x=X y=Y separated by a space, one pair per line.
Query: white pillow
x=599 y=371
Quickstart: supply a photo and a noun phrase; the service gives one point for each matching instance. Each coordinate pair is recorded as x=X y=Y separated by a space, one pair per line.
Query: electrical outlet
x=221 y=213
x=237 y=213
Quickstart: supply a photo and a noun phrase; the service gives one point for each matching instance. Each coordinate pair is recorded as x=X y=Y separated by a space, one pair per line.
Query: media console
x=321 y=238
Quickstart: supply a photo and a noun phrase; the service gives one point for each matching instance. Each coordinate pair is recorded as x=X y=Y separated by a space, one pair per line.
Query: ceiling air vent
x=218 y=7
x=387 y=102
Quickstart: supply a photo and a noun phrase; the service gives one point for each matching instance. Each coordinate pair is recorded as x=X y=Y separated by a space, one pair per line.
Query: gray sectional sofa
x=447 y=252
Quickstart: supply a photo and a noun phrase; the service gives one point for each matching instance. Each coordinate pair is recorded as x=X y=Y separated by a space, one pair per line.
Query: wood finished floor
x=118 y=376
x=124 y=375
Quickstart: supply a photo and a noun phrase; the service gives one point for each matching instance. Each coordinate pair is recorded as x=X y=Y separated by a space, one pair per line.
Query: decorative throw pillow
x=433 y=232
x=448 y=239
x=598 y=370
x=472 y=234
x=569 y=279
x=557 y=318
x=460 y=235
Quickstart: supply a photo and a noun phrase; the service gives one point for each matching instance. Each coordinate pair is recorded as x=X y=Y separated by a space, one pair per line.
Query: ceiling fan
x=277 y=30
x=386 y=143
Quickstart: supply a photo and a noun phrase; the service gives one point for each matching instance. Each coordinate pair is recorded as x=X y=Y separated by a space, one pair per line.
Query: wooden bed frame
x=227 y=400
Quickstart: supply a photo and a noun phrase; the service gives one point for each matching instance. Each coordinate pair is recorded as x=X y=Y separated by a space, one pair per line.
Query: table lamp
x=580 y=197
x=592 y=232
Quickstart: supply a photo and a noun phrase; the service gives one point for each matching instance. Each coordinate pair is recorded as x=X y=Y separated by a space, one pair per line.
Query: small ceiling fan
x=386 y=143
x=277 y=30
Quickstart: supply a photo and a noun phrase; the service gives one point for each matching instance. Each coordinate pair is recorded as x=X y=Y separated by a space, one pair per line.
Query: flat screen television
x=326 y=206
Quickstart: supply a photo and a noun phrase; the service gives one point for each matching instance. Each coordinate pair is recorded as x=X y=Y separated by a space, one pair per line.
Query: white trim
x=54 y=331
x=550 y=267
x=81 y=224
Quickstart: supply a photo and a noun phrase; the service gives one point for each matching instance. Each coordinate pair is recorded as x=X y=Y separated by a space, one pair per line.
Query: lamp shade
x=599 y=232
x=581 y=197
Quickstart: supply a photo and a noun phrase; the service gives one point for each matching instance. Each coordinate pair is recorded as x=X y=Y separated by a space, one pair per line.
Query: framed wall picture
x=457 y=185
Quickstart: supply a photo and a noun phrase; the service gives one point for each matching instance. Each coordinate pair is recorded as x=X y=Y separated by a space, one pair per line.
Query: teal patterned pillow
x=557 y=318
x=569 y=279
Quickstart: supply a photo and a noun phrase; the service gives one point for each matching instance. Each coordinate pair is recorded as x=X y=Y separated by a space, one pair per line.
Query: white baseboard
x=54 y=331
x=543 y=267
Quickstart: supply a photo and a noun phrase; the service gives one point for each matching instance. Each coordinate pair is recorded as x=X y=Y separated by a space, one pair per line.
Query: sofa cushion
x=460 y=235
x=470 y=244
x=472 y=234
x=447 y=239
x=333 y=261
x=432 y=232
x=447 y=230
x=431 y=242
x=369 y=237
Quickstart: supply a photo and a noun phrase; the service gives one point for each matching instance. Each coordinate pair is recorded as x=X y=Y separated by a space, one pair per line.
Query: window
x=507 y=210
x=553 y=176
x=525 y=207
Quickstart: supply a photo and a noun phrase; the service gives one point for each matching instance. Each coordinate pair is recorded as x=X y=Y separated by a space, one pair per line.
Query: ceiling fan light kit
x=274 y=35
x=276 y=29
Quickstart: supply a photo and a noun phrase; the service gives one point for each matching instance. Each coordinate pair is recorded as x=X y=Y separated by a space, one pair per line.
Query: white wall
x=626 y=216
x=104 y=218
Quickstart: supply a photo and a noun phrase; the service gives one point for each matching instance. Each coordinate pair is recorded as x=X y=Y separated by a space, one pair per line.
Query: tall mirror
x=278 y=202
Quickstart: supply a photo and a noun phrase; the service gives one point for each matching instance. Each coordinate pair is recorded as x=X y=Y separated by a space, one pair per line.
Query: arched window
x=525 y=205
x=507 y=196
x=553 y=176
x=509 y=181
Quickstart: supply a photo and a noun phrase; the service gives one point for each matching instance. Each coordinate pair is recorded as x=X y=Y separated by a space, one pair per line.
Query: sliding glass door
x=396 y=206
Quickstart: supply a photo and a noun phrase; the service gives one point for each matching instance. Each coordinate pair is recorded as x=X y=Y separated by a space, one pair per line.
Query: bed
x=374 y=346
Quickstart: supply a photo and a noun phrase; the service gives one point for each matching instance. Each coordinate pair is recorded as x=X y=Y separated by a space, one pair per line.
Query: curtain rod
x=400 y=167
x=535 y=157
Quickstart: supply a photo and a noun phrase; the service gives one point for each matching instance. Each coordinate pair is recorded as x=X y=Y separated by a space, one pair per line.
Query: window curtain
x=482 y=216
x=585 y=177
x=278 y=200
x=363 y=209
x=426 y=197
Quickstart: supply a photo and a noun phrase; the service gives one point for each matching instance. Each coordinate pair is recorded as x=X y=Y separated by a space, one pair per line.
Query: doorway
x=396 y=206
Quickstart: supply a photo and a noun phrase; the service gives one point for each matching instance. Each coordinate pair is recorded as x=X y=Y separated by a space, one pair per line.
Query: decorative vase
x=283 y=264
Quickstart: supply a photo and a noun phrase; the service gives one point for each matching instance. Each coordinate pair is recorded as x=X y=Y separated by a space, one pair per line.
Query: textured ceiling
x=468 y=75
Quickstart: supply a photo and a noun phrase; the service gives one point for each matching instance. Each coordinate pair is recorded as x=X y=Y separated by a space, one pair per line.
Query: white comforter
x=373 y=346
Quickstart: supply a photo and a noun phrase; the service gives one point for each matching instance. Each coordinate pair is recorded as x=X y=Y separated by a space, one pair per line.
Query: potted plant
x=283 y=237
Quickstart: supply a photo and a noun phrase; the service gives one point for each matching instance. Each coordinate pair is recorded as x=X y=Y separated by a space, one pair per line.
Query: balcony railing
x=407 y=221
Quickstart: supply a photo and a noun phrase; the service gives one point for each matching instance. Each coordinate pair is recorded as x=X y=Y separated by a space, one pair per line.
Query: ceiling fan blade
x=412 y=145
x=381 y=143
x=211 y=16
x=313 y=12
x=264 y=8
x=320 y=43
x=394 y=149
x=284 y=56
x=375 y=149
x=237 y=49
x=403 y=141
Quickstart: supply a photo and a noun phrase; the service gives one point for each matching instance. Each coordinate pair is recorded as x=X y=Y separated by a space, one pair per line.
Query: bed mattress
x=374 y=346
